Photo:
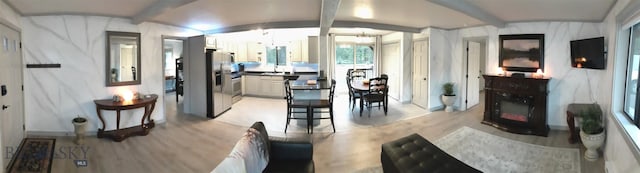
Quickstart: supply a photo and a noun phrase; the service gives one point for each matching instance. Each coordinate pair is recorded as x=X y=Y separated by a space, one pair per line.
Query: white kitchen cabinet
x=293 y=51
x=252 y=85
x=241 y=54
x=277 y=86
x=265 y=86
x=255 y=51
x=312 y=46
x=304 y=50
x=210 y=42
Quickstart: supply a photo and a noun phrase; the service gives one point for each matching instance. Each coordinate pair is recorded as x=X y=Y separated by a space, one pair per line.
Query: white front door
x=420 y=73
x=11 y=99
x=473 y=72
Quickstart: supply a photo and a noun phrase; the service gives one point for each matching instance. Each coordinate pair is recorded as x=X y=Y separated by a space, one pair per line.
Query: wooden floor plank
x=186 y=143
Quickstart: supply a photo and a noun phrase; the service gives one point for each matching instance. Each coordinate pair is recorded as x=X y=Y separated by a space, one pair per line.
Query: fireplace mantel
x=517 y=105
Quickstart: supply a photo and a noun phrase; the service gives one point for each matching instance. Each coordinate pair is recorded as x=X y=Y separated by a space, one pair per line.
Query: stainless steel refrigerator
x=219 y=85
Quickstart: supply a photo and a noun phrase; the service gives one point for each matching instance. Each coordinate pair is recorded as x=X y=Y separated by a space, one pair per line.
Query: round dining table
x=360 y=85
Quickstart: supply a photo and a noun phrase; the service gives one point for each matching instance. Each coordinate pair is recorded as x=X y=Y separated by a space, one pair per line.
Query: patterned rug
x=490 y=153
x=34 y=155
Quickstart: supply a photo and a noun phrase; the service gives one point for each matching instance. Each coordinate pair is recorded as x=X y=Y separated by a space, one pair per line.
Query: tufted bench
x=413 y=153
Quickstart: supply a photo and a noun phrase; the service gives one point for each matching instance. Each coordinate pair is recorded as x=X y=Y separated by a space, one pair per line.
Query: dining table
x=309 y=90
x=361 y=87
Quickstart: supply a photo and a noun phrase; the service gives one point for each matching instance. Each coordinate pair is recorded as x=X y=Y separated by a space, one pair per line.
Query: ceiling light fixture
x=363 y=12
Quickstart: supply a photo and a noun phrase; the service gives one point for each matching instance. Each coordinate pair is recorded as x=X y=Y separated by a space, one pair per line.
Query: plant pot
x=592 y=142
x=80 y=128
x=448 y=102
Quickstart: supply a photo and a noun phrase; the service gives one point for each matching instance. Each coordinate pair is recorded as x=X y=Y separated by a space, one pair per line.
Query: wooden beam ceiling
x=327 y=15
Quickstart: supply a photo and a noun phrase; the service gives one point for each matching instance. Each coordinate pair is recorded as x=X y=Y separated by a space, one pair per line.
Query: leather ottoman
x=414 y=153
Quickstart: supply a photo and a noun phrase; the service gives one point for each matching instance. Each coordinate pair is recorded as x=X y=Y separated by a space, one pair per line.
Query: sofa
x=257 y=152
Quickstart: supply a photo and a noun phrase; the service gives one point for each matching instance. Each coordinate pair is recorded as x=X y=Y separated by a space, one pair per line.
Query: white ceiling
x=97 y=7
x=400 y=15
x=542 y=10
x=412 y=13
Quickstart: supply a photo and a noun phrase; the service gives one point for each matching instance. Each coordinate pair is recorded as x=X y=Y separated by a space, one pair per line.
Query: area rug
x=490 y=153
x=35 y=155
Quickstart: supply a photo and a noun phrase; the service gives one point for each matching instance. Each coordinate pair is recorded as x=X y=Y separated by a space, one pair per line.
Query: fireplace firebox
x=517 y=105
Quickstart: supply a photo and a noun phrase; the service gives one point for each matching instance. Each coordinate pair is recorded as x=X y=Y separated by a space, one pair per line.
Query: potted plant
x=80 y=128
x=592 y=132
x=448 y=97
x=114 y=75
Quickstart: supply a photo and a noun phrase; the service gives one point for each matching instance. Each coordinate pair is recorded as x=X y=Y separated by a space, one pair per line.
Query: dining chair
x=353 y=95
x=293 y=104
x=358 y=75
x=324 y=104
x=378 y=90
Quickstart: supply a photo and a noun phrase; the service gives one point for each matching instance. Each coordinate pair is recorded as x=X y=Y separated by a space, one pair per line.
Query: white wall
x=567 y=85
x=619 y=153
x=53 y=96
x=439 y=63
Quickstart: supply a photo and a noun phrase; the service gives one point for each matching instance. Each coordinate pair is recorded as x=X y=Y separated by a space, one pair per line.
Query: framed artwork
x=524 y=53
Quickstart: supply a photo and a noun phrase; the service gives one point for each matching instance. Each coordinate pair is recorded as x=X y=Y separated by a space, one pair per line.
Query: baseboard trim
x=56 y=134
x=71 y=133
x=437 y=108
x=557 y=127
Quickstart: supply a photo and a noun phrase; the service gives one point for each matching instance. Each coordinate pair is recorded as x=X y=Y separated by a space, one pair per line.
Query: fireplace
x=517 y=105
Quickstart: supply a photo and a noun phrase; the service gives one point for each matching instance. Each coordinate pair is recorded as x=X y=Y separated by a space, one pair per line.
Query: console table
x=148 y=103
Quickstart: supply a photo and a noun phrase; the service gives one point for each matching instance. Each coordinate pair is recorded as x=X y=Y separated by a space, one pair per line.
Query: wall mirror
x=123 y=58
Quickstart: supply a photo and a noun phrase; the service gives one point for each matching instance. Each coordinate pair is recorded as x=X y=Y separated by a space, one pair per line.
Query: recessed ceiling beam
x=465 y=7
x=156 y=9
x=354 y=24
x=271 y=25
x=327 y=15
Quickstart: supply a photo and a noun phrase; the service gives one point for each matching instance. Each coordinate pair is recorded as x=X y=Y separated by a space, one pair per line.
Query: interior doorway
x=391 y=66
x=475 y=53
x=353 y=52
x=12 y=96
x=173 y=53
x=420 y=93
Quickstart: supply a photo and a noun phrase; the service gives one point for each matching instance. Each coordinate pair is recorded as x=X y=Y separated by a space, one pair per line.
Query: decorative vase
x=80 y=128
x=592 y=142
x=448 y=102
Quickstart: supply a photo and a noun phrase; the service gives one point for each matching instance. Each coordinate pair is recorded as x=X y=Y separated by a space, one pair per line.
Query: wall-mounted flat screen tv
x=588 y=53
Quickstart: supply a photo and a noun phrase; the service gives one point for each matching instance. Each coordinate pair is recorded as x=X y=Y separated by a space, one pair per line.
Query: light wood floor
x=187 y=143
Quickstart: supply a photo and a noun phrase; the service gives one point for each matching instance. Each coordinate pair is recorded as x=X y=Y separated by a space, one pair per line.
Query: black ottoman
x=413 y=153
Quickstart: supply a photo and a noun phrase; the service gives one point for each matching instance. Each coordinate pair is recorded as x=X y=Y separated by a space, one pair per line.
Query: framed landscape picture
x=524 y=53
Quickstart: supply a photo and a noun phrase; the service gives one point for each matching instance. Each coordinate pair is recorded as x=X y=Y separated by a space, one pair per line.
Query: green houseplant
x=448 y=96
x=448 y=89
x=592 y=131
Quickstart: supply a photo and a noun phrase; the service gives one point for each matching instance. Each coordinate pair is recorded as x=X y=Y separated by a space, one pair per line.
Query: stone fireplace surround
x=517 y=105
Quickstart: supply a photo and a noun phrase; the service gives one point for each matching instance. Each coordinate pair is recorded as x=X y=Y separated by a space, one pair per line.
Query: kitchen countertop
x=297 y=75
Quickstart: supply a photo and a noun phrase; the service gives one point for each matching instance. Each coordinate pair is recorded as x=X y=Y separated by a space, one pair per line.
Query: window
x=277 y=55
x=345 y=54
x=633 y=69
